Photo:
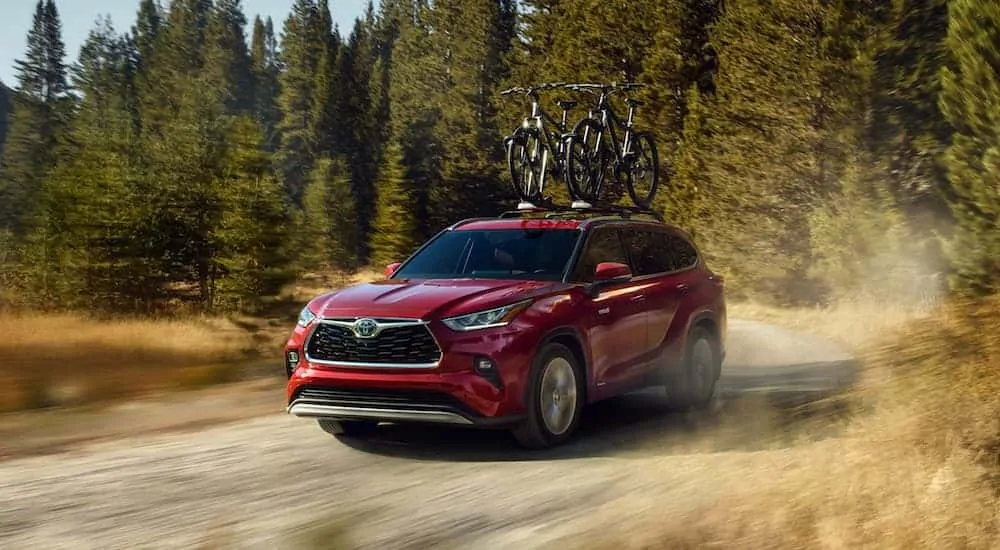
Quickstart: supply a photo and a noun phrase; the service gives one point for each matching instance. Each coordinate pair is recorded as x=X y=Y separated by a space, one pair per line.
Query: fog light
x=484 y=365
x=291 y=362
x=487 y=369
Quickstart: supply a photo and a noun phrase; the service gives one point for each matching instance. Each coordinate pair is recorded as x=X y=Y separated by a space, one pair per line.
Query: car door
x=649 y=248
x=616 y=318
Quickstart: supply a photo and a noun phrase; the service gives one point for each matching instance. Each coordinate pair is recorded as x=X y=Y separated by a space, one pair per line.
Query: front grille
x=405 y=345
x=401 y=399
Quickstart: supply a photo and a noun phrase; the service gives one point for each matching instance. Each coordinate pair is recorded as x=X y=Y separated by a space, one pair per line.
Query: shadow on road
x=757 y=408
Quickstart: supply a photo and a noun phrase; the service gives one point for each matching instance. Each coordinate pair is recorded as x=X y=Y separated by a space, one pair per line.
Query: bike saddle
x=566 y=104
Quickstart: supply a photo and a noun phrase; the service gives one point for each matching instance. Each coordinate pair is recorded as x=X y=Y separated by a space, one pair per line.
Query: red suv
x=516 y=322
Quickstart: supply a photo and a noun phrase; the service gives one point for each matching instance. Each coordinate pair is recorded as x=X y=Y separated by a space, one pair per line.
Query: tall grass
x=63 y=358
x=918 y=467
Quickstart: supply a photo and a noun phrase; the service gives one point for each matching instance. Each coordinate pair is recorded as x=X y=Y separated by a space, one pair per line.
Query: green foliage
x=394 y=231
x=255 y=229
x=328 y=232
x=39 y=115
x=802 y=143
x=302 y=47
x=970 y=101
x=4 y=111
x=909 y=131
x=265 y=70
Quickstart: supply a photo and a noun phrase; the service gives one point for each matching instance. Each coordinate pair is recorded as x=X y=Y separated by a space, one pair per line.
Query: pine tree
x=394 y=230
x=5 y=101
x=301 y=49
x=184 y=36
x=329 y=233
x=253 y=257
x=147 y=35
x=78 y=250
x=468 y=61
x=328 y=128
x=361 y=139
x=147 y=28
x=415 y=112
x=970 y=102
x=39 y=116
x=228 y=60
x=265 y=70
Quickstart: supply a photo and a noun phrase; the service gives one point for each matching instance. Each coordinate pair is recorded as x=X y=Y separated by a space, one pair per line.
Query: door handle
x=637 y=298
x=683 y=287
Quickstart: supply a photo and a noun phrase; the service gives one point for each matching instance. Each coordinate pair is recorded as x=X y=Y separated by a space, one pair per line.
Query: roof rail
x=556 y=211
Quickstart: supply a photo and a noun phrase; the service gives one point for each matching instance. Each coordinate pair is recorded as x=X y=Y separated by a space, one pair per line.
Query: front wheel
x=643 y=173
x=524 y=150
x=586 y=160
x=554 y=399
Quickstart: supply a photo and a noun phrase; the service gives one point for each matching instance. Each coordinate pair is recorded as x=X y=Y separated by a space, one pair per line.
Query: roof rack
x=555 y=211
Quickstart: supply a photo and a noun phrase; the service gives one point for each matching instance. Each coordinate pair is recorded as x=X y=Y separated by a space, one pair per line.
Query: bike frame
x=540 y=117
x=610 y=121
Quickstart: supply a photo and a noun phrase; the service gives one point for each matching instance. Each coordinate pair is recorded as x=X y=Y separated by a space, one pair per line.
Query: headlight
x=486 y=319
x=306 y=316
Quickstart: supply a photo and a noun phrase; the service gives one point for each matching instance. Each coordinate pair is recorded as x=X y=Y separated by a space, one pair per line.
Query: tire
x=349 y=428
x=589 y=133
x=525 y=179
x=647 y=162
x=554 y=369
x=693 y=385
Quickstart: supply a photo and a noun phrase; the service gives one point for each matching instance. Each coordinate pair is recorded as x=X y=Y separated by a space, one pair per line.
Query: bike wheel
x=586 y=160
x=524 y=163
x=645 y=166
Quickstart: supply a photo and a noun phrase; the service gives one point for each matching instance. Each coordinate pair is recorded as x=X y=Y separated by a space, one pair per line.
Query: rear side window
x=684 y=254
x=657 y=251
x=603 y=245
x=650 y=251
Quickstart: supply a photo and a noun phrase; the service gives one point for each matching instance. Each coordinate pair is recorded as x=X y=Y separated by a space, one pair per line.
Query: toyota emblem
x=365 y=328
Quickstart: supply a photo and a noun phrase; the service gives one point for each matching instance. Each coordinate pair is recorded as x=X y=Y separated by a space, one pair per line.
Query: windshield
x=539 y=254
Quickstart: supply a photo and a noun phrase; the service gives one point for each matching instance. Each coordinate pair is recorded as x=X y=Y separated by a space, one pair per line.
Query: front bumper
x=433 y=402
x=428 y=406
x=341 y=412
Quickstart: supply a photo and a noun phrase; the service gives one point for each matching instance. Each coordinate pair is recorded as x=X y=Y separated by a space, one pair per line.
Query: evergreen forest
x=204 y=157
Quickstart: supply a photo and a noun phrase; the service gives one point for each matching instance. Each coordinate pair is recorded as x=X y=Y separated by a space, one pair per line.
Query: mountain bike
x=540 y=139
x=633 y=157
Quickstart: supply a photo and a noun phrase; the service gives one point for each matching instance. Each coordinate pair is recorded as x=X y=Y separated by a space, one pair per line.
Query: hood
x=424 y=299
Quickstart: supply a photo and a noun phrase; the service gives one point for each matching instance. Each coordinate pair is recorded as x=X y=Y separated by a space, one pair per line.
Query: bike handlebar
x=531 y=89
x=606 y=87
x=577 y=87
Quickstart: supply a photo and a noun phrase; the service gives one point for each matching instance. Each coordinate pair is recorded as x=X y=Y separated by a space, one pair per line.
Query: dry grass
x=919 y=468
x=55 y=359
x=852 y=324
x=68 y=359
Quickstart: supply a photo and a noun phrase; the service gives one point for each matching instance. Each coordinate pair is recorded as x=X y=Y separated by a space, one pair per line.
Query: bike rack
x=554 y=211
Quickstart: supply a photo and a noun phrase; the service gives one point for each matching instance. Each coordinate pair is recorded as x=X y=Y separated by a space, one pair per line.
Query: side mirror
x=391 y=268
x=611 y=272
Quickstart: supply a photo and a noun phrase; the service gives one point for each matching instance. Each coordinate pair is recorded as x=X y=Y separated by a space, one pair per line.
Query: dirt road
x=273 y=481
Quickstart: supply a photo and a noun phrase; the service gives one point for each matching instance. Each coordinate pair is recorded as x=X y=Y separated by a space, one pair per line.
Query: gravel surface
x=274 y=481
